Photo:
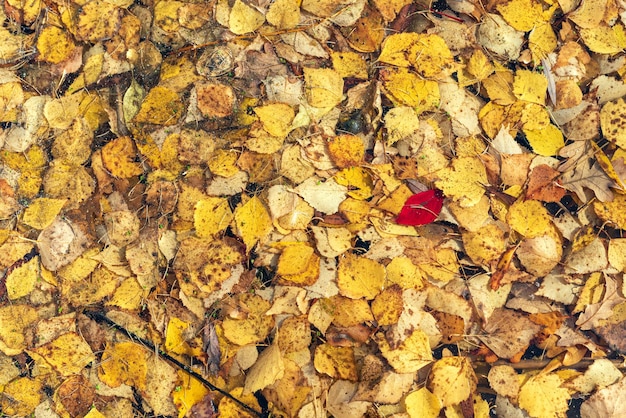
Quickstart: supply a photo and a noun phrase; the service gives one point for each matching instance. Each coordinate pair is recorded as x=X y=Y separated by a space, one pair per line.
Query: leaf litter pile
x=309 y=208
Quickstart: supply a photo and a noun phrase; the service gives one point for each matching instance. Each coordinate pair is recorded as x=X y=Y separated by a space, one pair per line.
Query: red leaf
x=421 y=209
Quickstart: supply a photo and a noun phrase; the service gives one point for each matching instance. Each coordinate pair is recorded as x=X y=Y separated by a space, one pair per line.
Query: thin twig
x=102 y=318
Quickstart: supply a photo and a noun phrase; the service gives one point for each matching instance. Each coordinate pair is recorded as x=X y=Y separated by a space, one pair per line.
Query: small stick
x=103 y=319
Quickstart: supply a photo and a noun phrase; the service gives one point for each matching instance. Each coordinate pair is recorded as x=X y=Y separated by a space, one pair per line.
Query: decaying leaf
x=345 y=207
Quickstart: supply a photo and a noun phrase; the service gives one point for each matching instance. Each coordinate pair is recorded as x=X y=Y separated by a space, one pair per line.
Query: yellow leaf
x=93 y=109
x=253 y=222
x=543 y=395
x=259 y=140
x=161 y=106
x=284 y=14
x=388 y=305
x=337 y=362
x=354 y=210
x=229 y=409
x=11 y=96
x=219 y=258
x=613 y=211
x=90 y=22
x=604 y=39
x=592 y=292
x=211 y=216
x=358 y=182
x=395 y=47
x=169 y=155
x=485 y=245
x=294 y=259
x=406 y=88
x=68 y=354
x=403 y=272
x=165 y=13
x=21 y=396
x=464 y=181
x=323 y=87
x=346 y=150
x=22 y=280
x=129 y=295
x=347 y=312
x=607 y=165
x=28 y=10
x=530 y=86
x=452 y=380
x=61 y=112
x=94 y=413
x=276 y=118
x=411 y=355
x=266 y=370
x=359 y=277
x=74 y=144
x=42 y=211
x=617 y=253
x=55 y=45
x=80 y=268
x=395 y=201
x=349 y=64
x=499 y=87
x=529 y=218
x=422 y=404
x=612 y=118
x=294 y=335
x=176 y=341
x=14 y=319
x=533 y=116
x=255 y=327
x=124 y=362
x=189 y=391
x=431 y=57
x=443 y=267
x=479 y=65
x=177 y=74
x=587 y=14
x=244 y=18
x=541 y=41
x=522 y=15
x=401 y=122
x=546 y=142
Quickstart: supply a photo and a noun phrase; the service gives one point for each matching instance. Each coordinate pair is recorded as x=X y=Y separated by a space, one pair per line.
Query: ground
x=310 y=208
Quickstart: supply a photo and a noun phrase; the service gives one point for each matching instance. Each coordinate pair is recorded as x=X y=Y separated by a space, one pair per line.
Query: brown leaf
x=607 y=402
x=587 y=174
x=543 y=184
x=508 y=332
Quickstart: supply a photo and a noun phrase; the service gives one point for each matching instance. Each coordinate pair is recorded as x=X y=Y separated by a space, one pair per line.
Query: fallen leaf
x=508 y=332
x=359 y=277
x=421 y=209
x=21 y=396
x=244 y=18
x=543 y=395
x=266 y=370
x=124 y=363
x=336 y=362
x=255 y=327
x=422 y=403
x=452 y=380
x=253 y=222
x=68 y=354
x=606 y=402
x=411 y=355
x=463 y=181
